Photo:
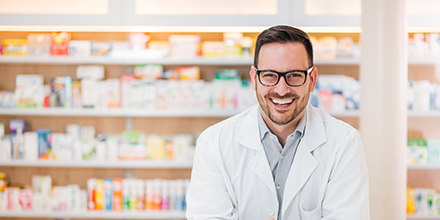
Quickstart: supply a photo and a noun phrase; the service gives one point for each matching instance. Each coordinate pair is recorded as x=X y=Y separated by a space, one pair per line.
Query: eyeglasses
x=294 y=78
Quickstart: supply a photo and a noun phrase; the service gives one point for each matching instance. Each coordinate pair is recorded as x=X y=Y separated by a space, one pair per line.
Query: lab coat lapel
x=249 y=136
x=304 y=162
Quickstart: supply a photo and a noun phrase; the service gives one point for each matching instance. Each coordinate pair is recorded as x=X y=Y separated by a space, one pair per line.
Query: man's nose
x=282 y=88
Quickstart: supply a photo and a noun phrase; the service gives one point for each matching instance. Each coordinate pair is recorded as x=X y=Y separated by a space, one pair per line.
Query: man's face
x=282 y=103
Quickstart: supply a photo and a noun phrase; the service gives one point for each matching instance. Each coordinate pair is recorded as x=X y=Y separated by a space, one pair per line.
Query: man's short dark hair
x=283 y=34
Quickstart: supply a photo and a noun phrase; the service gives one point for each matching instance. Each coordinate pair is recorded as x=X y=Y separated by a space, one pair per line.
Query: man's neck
x=282 y=131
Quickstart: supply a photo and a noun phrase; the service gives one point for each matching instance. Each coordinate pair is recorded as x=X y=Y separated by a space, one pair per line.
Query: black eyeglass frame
x=283 y=74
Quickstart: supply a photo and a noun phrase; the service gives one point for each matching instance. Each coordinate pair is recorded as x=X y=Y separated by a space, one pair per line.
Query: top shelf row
x=179 y=61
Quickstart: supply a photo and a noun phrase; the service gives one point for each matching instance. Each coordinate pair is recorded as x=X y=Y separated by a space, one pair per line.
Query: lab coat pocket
x=315 y=214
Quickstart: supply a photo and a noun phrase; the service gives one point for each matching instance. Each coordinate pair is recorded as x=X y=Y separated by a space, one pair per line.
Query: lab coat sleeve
x=346 y=197
x=210 y=194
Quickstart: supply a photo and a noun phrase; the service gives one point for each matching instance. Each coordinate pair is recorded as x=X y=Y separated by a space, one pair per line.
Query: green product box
x=433 y=151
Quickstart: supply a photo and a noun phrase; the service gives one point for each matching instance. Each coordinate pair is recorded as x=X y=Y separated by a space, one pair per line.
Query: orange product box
x=117 y=195
x=59 y=45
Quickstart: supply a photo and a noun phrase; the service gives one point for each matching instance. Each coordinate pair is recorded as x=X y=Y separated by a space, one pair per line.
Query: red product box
x=59 y=45
x=26 y=199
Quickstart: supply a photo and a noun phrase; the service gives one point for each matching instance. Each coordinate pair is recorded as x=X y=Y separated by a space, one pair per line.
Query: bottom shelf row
x=99 y=214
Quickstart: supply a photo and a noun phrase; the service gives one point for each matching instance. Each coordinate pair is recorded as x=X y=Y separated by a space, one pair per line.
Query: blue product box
x=44 y=144
x=108 y=194
x=61 y=89
x=17 y=144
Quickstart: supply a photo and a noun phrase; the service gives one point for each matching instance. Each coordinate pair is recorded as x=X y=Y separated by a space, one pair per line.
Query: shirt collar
x=264 y=129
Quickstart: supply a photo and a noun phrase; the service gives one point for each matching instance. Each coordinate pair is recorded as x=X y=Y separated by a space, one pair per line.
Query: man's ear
x=313 y=78
x=253 y=75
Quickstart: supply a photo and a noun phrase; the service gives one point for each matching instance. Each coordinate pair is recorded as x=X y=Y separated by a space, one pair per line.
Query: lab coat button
x=270 y=212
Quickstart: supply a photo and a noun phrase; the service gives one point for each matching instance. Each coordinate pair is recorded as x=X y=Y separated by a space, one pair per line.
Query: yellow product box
x=213 y=48
x=410 y=201
x=156 y=147
x=15 y=47
x=99 y=194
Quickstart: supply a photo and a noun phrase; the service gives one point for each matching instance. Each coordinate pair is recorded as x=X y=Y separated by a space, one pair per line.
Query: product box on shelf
x=13 y=195
x=39 y=45
x=61 y=88
x=6 y=148
x=101 y=48
x=59 y=199
x=138 y=41
x=26 y=199
x=101 y=95
x=187 y=46
x=3 y=201
x=233 y=44
x=76 y=94
x=117 y=195
x=213 y=48
x=7 y=99
x=62 y=147
x=95 y=72
x=433 y=151
x=17 y=129
x=80 y=48
x=31 y=146
x=60 y=44
x=44 y=143
x=29 y=91
x=152 y=71
x=14 y=47
x=417 y=152
x=73 y=198
x=114 y=93
x=133 y=146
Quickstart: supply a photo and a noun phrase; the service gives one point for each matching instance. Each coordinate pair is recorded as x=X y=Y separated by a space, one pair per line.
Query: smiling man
x=281 y=159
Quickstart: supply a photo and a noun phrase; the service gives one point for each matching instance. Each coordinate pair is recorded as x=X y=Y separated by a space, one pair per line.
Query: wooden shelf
x=98 y=215
x=102 y=164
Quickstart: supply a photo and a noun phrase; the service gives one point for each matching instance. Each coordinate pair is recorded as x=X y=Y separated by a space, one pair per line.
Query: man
x=283 y=159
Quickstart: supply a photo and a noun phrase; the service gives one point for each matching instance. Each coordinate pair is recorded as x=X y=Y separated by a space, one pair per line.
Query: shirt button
x=271 y=137
x=270 y=212
x=282 y=156
x=278 y=187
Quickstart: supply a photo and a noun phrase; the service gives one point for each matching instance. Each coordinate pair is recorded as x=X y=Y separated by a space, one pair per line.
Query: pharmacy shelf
x=98 y=215
x=423 y=167
x=180 y=61
x=102 y=164
x=415 y=217
x=127 y=61
x=141 y=112
x=424 y=114
x=353 y=113
x=165 y=112
x=120 y=112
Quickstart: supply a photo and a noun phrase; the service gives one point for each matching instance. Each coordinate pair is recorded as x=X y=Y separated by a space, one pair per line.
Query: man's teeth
x=282 y=101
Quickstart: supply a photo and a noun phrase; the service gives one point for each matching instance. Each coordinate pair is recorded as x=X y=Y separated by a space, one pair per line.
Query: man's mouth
x=282 y=102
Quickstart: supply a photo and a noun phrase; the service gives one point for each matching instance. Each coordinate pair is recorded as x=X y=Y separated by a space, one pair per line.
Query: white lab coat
x=231 y=178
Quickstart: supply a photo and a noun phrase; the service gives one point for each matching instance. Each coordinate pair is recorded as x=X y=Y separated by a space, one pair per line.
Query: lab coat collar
x=304 y=162
x=249 y=136
x=314 y=134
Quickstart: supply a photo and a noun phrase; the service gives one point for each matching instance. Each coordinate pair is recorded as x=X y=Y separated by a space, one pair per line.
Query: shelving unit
x=423 y=217
x=423 y=167
x=228 y=61
x=84 y=112
x=145 y=164
x=120 y=112
x=97 y=215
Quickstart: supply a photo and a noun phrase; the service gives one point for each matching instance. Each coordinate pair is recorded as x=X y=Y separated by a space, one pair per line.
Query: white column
x=383 y=122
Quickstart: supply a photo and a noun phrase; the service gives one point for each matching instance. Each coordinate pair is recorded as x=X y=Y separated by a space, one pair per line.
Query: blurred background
x=101 y=101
